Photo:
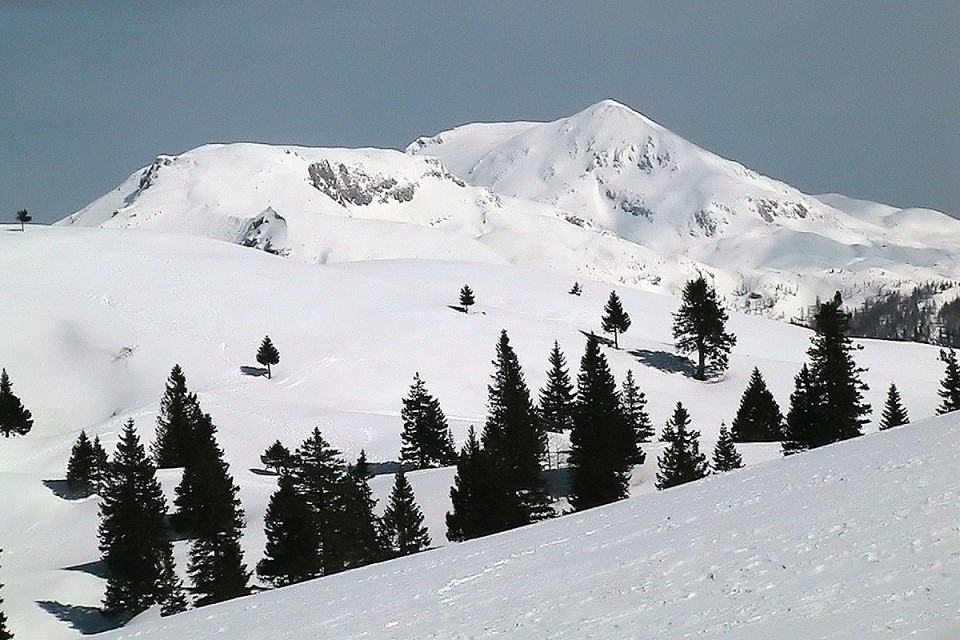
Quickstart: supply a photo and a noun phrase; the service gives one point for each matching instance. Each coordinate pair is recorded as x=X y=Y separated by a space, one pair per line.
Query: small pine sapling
x=268 y=355
x=894 y=413
x=466 y=298
x=725 y=454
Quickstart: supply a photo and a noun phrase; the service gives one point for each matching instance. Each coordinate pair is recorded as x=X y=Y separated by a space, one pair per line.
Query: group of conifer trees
x=15 y=419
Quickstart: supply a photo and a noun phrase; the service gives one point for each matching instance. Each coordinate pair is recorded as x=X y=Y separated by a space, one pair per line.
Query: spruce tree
x=318 y=472
x=950 y=384
x=403 y=520
x=277 y=458
x=556 y=397
x=602 y=443
x=679 y=419
x=615 y=320
x=5 y=633
x=171 y=595
x=634 y=405
x=426 y=438
x=725 y=454
x=804 y=425
x=101 y=466
x=479 y=505
x=514 y=440
x=364 y=538
x=268 y=355
x=758 y=418
x=466 y=297
x=14 y=417
x=290 y=555
x=133 y=539
x=700 y=326
x=894 y=414
x=681 y=461
x=179 y=413
x=81 y=468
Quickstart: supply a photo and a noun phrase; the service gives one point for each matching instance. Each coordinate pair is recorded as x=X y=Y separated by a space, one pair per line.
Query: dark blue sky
x=860 y=97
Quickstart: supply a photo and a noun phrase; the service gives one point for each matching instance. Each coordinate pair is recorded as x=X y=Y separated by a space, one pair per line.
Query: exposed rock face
x=354 y=186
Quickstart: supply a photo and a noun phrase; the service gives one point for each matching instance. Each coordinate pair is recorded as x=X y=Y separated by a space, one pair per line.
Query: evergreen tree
x=362 y=468
x=466 y=297
x=403 y=520
x=290 y=555
x=556 y=398
x=81 y=468
x=602 y=443
x=179 y=413
x=132 y=532
x=615 y=320
x=363 y=534
x=22 y=217
x=700 y=325
x=804 y=425
x=514 y=440
x=268 y=355
x=480 y=506
x=725 y=454
x=950 y=384
x=679 y=419
x=634 y=405
x=575 y=290
x=276 y=457
x=426 y=438
x=894 y=413
x=318 y=472
x=101 y=466
x=170 y=588
x=681 y=461
x=5 y=633
x=758 y=418
x=14 y=417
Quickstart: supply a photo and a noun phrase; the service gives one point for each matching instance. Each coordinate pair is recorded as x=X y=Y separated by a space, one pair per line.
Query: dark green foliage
x=363 y=534
x=5 y=633
x=101 y=465
x=679 y=419
x=268 y=355
x=556 y=397
x=894 y=414
x=426 y=438
x=318 y=472
x=948 y=324
x=575 y=290
x=634 y=405
x=700 y=326
x=950 y=384
x=913 y=316
x=362 y=468
x=403 y=520
x=513 y=438
x=466 y=297
x=23 y=217
x=725 y=454
x=179 y=413
x=82 y=473
x=292 y=542
x=602 y=443
x=133 y=539
x=681 y=461
x=172 y=598
x=758 y=418
x=804 y=423
x=615 y=320
x=14 y=417
x=277 y=458
x=480 y=505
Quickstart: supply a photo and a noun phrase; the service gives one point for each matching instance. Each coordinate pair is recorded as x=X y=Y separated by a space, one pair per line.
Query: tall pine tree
x=15 y=419
x=479 y=506
x=364 y=537
x=101 y=465
x=634 y=404
x=680 y=418
x=403 y=520
x=725 y=454
x=700 y=326
x=81 y=467
x=426 y=440
x=291 y=554
x=804 y=424
x=5 y=633
x=894 y=413
x=758 y=418
x=950 y=384
x=615 y=320
x=681 y=461
x=556 y=397
x=319 y=472
x=179 y=413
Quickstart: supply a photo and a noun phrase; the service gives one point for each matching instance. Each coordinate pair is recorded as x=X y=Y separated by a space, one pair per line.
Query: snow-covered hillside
x=94 y=319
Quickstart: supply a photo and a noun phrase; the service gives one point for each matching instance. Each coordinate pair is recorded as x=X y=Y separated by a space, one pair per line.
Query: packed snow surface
x=94 y=319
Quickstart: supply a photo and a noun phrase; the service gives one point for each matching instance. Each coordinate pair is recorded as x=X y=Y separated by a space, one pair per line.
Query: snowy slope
x=95 y=318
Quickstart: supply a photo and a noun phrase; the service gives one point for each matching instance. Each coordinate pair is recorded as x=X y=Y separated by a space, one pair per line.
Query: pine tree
x=276 y=457
x=14 y=417
x=602 y=443
x=426 y=438
x=132 y=532
x=679 y=419
x=894 y=413
x=170 y=588
x=804 y=424
x=209 y=509
x=758 y=418
x=480 y=506
x=466 y=297
x=318 y=472
x=5 y=633
x=403 y=520
x=514 y=440
x=179 y=413
x=363 y=534
x=681 y=461
x=950 y=384
x=101 y=466
x=615 y=320
x=725 y=454
x=634 y=405
x=290 y=555
x=575 y=290
x=81 y=468
x=556 y=397
x=22 y=217
x=700 y=325
x=268 y=355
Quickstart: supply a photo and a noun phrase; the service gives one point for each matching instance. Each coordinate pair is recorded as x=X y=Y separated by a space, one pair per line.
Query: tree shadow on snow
x=556 y=482
x=665 y=361
x=61 y=489
x=605 y=341
x=253 y=371
x=98 y=568
x=86 y=620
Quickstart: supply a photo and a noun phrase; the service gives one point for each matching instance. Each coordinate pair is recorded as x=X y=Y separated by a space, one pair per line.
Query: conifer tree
x=5 y=633
x=700 y=325
x=556 y=397
x=950 y=384
x=22 y=217
x=81 y=468
x=804 y=424
x=179 y=413
x=514 y=440
x=634 y=404
x=132 y=532
x=680 y=418
x=894 y=414
x=362 y=467
x=101 y=466
x=364 y=538
x=171 y=595
x=403 y=520
x=14 y=417
x=318 y=472
x=290 y=555
x=615 y=320
x=681 y=461
x=725 y=454
x=575 y=290
x=479 y=506
x=466 y=297
x=276 y=457
x=758 y=418
x=268 y=355
x=426 y=438
x=602 y=443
